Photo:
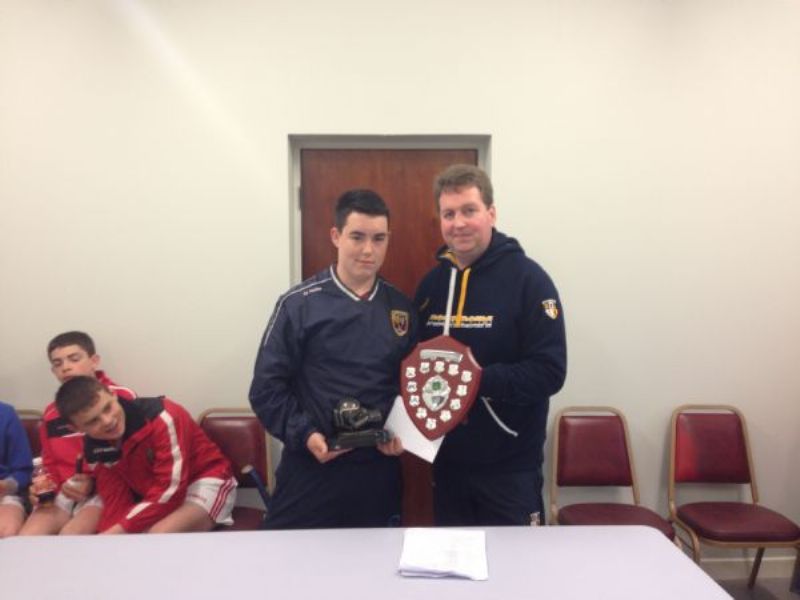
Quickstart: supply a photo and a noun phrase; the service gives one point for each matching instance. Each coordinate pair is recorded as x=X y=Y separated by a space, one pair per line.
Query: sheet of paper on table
x=401 y=425
x=444 y=553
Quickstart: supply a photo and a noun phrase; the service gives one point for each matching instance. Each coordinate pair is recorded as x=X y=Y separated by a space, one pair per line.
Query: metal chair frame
x=695 y=539
x=634 y=487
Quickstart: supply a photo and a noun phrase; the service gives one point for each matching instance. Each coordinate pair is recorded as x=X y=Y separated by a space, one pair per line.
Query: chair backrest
x=241 y=437
x=709 y=444
x=31 y=420
x=591 y=448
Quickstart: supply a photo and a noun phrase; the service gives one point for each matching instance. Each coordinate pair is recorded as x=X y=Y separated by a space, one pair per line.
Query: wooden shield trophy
x=439 y=380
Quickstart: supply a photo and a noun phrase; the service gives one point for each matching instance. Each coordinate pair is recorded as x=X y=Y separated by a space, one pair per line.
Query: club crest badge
x=550 y=308
x=400 y=322
x=439 y=383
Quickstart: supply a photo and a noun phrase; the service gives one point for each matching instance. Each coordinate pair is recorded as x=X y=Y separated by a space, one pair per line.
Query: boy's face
x=361 y=246
x=71 y=361
x=103 y=419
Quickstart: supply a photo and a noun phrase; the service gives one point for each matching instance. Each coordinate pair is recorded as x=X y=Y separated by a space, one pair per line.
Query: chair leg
x=693 y=541
x=794 y=587
x=695 y=547
x=756 y=566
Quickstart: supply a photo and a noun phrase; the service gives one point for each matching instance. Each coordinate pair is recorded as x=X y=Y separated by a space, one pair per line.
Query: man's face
x=103 y=419
x=466 y=223
x=361 y=246
x=71 y=361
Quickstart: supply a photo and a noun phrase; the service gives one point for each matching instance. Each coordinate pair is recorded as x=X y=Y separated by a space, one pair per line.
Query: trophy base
x=358 y=439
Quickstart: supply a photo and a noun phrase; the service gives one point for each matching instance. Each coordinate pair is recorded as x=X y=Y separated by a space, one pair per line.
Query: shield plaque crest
x=439 y=383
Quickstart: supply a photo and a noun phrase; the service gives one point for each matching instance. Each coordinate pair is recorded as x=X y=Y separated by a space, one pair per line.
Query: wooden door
x=404 y=179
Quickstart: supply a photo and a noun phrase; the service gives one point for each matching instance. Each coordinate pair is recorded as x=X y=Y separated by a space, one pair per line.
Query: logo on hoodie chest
x=465 y=322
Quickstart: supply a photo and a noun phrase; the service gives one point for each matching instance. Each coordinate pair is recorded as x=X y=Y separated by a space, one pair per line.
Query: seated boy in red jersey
x=155 y=469
x=75 y=510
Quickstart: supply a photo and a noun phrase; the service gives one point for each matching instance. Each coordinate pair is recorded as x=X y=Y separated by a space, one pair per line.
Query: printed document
x=444 y=553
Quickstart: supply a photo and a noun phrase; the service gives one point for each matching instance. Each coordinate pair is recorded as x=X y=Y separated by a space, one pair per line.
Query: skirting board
x=777 y=567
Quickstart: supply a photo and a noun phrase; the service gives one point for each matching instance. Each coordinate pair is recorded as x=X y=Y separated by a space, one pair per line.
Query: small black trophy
x=352 y=426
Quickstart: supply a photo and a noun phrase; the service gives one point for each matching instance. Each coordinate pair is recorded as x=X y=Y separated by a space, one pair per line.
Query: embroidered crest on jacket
x=400 y=322
x=550 y=308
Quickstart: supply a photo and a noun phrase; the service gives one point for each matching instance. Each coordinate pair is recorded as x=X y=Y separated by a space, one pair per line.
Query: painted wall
x=646 y=152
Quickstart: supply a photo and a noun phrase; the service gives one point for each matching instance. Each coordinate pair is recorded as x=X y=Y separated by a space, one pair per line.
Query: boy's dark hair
x=458 y=177
x=72 y=338
x=77 y=394
x=361 y=201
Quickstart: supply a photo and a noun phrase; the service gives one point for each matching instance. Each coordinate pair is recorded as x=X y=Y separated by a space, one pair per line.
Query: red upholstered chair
x=591 y=448
x=31 y=420
x=241 y=437
x=710 y=446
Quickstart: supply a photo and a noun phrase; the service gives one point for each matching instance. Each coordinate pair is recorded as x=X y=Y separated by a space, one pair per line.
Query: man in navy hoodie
x=507 y=310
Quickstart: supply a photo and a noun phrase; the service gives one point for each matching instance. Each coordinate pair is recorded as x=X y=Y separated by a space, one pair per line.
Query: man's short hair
x=72 y=338
x=77 y=394
x=360 y=201
x=458 y=177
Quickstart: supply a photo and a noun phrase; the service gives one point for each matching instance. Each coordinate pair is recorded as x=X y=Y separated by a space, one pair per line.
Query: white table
x=524 y=562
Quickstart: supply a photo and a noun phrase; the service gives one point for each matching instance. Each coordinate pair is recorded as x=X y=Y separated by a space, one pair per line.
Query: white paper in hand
x=444 y=553
x=400 y=425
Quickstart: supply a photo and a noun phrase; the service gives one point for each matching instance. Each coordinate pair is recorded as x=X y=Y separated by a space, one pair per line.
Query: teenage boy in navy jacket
x=340 y=334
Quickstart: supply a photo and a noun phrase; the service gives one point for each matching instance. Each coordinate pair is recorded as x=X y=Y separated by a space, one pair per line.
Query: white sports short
x=215 y=496
x=72 y=508
x=12 y=500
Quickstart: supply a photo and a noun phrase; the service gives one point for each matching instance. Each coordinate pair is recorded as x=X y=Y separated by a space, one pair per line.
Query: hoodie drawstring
x=449 y=307
x=462 y=297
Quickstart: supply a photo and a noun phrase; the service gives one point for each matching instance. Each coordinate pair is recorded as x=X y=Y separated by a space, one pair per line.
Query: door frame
x=298 y=142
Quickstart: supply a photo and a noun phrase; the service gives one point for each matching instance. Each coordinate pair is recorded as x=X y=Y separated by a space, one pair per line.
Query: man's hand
x=78 y=487
x=394 y=447
x=317 y=445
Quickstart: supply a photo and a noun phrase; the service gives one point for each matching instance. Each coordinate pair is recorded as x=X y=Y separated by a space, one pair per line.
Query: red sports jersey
x=163 y=451
x=60 y=444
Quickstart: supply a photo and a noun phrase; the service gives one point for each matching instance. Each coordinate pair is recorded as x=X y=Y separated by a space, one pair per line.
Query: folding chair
x=31 y=421
x=709 y=445
x=591 y=448
x=241 y=437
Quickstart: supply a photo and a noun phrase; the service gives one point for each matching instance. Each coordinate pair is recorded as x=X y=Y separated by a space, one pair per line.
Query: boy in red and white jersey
x=75 y=510
x=155 y=468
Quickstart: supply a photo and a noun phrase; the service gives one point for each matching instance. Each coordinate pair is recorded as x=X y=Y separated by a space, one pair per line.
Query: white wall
x=646 y=152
